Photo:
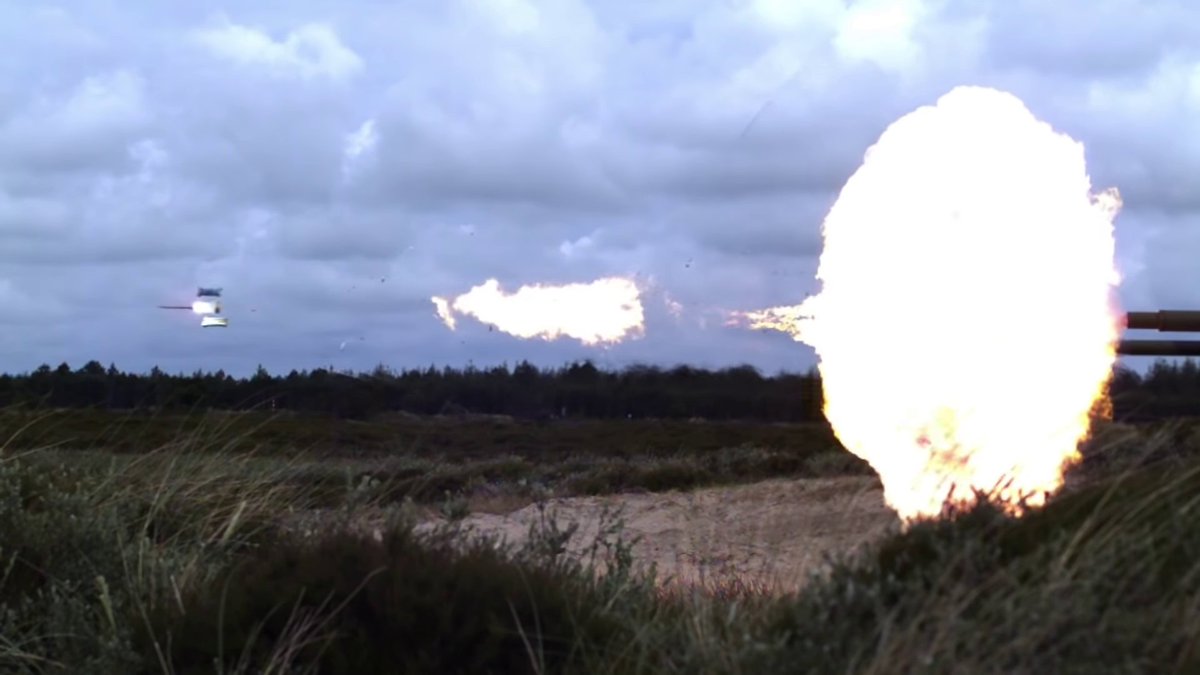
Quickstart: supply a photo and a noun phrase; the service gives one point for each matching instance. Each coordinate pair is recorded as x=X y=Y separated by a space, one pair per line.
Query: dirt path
x=773 y=532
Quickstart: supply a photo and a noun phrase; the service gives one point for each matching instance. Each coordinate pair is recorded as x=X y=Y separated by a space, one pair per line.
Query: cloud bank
x=334 y=167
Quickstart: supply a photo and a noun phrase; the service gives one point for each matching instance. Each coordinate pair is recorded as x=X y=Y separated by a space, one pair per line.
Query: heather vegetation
x=453 y=457
x=172 y=561
x=164 y=542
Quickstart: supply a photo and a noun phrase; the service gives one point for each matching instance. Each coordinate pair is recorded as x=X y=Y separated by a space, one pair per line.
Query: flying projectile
x=207 y=304
x=1166 y=321
x=198 y=307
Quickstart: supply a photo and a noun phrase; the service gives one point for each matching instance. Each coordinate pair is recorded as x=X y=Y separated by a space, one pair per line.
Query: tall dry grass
x=179 y=561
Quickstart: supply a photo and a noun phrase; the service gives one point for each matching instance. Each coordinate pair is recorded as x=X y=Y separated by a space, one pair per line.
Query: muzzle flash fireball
x=967 y=222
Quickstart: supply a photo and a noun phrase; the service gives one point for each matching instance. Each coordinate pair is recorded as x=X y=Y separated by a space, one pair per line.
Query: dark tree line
x=576 y=390
x=1166 y=390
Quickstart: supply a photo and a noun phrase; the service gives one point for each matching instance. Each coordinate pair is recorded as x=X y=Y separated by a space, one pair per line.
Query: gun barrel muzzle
x=1181 y=348
x=1167 y=321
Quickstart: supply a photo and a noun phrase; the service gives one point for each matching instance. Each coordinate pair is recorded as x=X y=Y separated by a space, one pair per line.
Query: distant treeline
x=577 y=390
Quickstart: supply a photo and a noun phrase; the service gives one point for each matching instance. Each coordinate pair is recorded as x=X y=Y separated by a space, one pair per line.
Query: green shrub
x=398 y=604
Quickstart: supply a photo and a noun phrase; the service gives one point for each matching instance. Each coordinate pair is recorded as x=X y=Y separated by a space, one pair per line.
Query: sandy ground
x=773 y=533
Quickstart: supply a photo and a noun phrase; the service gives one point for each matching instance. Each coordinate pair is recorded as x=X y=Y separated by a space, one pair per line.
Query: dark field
x=460 y=437
x=438 y=457
x=162 y=544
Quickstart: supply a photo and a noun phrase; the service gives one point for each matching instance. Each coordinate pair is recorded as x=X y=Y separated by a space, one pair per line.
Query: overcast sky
x=333 y=165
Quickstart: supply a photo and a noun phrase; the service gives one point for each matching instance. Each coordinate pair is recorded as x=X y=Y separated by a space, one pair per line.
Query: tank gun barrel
x=1163 y=321
x=1158 y=348
x=1167 y=321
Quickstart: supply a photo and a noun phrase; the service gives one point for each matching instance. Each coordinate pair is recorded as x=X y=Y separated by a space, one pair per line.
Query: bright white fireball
x=966 y=323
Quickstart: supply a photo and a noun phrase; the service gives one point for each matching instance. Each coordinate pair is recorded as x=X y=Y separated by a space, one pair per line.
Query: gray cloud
x=334 y=166
x=1121 y=39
